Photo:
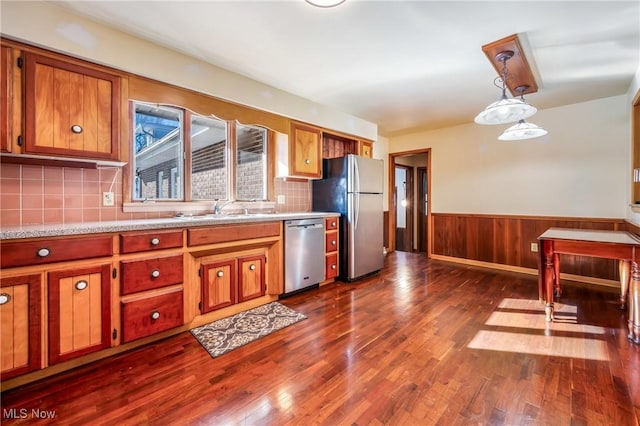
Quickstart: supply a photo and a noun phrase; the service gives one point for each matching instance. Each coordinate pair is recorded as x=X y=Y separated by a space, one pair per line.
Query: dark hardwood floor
x=424 y=342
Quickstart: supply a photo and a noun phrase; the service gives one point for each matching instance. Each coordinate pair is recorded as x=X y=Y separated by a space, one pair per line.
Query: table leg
x=549 y=281
x=556 y=275
x=634 y=304
x=624 y=269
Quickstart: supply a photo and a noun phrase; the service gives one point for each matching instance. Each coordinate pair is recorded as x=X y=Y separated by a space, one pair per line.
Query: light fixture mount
x=504 y=56
x=520 y=73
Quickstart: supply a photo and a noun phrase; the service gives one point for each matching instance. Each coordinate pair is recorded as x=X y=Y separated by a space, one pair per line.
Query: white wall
x=579 y=169
x=58 y=29
x=631 y=94
x=381 y=151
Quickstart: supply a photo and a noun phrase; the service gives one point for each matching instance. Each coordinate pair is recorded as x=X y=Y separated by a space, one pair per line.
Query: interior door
x=403 y=207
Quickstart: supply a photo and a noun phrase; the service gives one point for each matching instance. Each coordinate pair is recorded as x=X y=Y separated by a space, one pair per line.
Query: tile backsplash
x=35 y=195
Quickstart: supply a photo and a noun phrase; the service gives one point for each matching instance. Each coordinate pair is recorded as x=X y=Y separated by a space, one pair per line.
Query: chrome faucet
x=217 y=208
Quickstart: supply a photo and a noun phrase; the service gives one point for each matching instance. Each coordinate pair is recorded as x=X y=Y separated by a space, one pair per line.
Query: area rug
x=227 y=334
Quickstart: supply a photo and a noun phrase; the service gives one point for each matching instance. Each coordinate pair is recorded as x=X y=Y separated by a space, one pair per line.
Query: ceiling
x=404 y=65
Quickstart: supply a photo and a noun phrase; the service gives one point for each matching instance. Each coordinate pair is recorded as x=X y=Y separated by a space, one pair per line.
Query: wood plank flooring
x=422 y=343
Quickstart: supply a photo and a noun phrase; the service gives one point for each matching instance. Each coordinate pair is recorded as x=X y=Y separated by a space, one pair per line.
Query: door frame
x=421 y=201
x=392 y=185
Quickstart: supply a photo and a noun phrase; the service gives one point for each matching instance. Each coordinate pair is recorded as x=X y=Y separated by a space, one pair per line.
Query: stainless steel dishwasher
x=303 y=254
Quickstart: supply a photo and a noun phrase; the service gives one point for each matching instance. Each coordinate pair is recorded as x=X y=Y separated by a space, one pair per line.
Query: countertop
x=37 y=231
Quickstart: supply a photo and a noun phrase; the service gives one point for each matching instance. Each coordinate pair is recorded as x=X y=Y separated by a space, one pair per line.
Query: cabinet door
x=79 y=312
x=218 y=284
x=19 y=325
x=251 y=276
x=366 y=149
x=70 y=110
x=6 y=97
x=305 y=153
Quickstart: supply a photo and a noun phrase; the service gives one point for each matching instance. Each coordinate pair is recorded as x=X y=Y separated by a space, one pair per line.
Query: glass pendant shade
x=522 y=131
x=325 y=3
x=505 y=111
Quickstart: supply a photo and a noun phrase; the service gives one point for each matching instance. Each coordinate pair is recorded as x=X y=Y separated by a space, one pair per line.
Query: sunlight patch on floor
x=533 y=318
x=537 y=322
x=571 y=347
x=535 y=305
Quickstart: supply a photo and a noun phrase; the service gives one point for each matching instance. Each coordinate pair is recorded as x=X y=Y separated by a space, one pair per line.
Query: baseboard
x=529 y=271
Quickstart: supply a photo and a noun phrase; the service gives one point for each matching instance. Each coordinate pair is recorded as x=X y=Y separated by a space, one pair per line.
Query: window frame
x=187 y=203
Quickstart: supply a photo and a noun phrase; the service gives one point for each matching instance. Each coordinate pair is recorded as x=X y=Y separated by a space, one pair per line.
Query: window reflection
x=157 y=159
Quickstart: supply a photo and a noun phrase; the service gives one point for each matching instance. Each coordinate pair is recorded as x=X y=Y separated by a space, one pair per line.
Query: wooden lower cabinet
x=231 y=280
x=79 y=312
x=251 y=275
x=151 y=315
x=20 y=325
x=218 y=284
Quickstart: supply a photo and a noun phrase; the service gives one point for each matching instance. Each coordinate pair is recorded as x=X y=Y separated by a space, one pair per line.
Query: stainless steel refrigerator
x=352 y=186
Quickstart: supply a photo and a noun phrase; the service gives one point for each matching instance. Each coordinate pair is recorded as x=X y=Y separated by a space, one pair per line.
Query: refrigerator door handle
x=356 y=176
x=356 y=209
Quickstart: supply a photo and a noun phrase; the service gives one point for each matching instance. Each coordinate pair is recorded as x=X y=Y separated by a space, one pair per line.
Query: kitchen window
x=226 y=160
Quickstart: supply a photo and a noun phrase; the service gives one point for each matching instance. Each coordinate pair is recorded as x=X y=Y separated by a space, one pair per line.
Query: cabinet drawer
x=140 y=275
x=331 y=223
x=331 y=242
x=144 y=317
x=133 y=243
x=48 y=251
x=331 y=266
x=221 y=234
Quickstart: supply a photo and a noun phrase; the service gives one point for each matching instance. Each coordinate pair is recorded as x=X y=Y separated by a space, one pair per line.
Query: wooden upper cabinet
x=365 y=149
x=305 y=154
x=70 y=110
x=6 y=96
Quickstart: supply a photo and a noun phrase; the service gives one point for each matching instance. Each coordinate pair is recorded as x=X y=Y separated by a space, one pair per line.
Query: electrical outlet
x=534 y=247
x=107 y=199
x=280 y=199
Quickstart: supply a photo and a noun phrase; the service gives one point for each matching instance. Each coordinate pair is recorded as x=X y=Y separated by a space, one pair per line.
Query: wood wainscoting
x=505 y=242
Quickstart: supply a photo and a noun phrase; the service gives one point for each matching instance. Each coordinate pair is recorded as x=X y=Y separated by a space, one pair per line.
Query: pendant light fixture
x=325 y=3
x=522 y=130
x=505 y=110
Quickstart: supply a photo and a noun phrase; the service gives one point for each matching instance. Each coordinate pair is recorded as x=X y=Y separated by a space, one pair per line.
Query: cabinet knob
x=77 y=129
x=155 y=315
x=44 y=252
x=333 y=224
x=333 y=242
x=366 y=152
x=4 y=298
x=307 y=161
x=81 y=285
x=155 y=273
x=220 y=274
x=155 y=241
x=252 y=267
x=333 y=266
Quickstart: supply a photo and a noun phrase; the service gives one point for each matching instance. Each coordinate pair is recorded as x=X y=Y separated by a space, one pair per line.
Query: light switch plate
x=280 y=199
x=534 y=247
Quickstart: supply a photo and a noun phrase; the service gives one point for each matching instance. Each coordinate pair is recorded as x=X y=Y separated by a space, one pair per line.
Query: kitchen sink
x=224 y=216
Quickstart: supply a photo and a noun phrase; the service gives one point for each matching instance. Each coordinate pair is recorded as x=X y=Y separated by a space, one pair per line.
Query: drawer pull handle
x=77 y=129
x=4 y=298
x=155 y=241
x=220 y=274
x=155 y=273
x=44 y=252
x=333 y=266
x=81 y=285
x=333 y=242
x=307 y=161
x=333 y=224
x=155 y=315
x=252 y=267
